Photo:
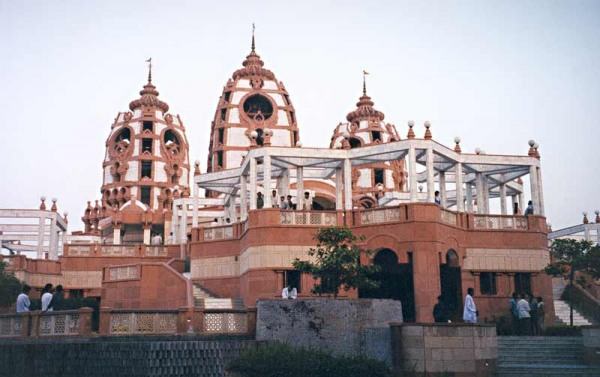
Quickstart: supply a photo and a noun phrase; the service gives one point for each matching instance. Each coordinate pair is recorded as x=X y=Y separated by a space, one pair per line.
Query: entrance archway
x=450 y=283
x=321 y=203
x=396 y=282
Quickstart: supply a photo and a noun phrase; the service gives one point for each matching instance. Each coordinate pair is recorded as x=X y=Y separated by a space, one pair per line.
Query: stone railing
x=135 y=322
x=219 y=321
x=14 y=325
x=118 y=250
x=80 y=250
x=380 y=215
x=218 y=233
x=308 y=218
x=130 y=272
x=155 y=251
x=47 y=324
x=499 y=222
x=449 y=217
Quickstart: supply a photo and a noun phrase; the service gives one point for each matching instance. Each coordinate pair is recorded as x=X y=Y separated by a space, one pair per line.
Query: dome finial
x=365 y=73
x=149 y=61
x=253 y=44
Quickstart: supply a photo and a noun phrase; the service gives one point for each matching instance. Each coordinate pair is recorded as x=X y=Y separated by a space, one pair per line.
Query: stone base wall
x=591 y=344
x=122 y=357
x=343 y=327
x=457 y=350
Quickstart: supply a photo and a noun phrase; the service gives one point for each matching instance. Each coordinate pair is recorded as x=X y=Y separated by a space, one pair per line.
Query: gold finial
x=149 y=61
x=365 y=73
x=253 y=28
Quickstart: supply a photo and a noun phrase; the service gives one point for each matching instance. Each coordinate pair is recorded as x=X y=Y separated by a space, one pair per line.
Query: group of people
x=441 y=311
x=527 y=314
x=284 y=202
x=52 y=298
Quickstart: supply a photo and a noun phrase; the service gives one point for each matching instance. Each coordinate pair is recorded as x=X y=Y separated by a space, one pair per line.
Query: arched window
x=354 y=143
x=452 y=259
x=258 y=106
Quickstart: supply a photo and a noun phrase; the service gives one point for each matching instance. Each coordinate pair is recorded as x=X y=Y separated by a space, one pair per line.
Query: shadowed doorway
x=396 y=282
x=450 y=282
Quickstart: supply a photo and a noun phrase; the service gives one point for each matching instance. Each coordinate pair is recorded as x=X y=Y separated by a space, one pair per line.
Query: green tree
x=571 y=256
x=10 y=286
x=337 y=263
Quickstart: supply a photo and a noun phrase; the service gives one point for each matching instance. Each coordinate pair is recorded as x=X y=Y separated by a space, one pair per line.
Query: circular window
x=258 y=107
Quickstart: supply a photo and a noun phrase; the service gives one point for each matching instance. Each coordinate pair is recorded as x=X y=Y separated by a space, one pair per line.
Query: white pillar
x=534 y=189
x=52 y=245
x=469 y=197
x=267 y=181
x=243 y=198
x=339 y=185
x=347 y=185
x=147 y=236
x=503 y=199
x=300 y=188
x=116 y=236
x=513 y=200
x=486 y=194
x=521 y=203
x=41 y=235
x=174 y=224
x=412 y=173
x=540 y=191
x=430 y=176
x=460 y=205
x=196 y=203
x=182 y=222
x=443 y=188
x=285 y=182
x=479 y=193
x=252 y=183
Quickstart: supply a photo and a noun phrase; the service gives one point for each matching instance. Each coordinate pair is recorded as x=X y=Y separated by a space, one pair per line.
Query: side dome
x=365 y=126
x=254 y=110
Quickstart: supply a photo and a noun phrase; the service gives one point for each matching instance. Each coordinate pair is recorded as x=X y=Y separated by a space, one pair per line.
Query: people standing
x=524 y=316
x=289 y=293
x=46 y=297
x=23 y=302
x=437 y=199
x=533 y=323
x=260 y=203
x=290 y=203
x=306 y=204
x=514 y=312
x=440 y=311
x=529 y=209
x=470 y=310
x=58 y=298
x=540 y=315
x=274 y=199
x=283 y=203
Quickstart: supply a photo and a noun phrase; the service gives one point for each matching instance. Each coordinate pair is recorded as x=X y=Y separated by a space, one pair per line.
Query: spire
x=364 y=106
x=149 y=61
x=253 y=44
x=365 y=73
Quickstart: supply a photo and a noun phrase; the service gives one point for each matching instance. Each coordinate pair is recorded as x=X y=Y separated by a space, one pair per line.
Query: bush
x=278 y=360
x=562 y=330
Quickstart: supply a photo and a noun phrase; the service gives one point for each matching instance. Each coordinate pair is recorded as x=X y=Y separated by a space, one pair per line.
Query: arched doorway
x=450 y=284
x=321 y=203
x=396 y=282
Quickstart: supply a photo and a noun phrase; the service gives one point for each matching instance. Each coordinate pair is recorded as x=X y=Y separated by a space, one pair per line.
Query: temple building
x=153 y=241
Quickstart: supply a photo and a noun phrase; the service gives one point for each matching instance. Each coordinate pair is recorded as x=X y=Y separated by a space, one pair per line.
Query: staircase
x=206 y=300
x=561 y=307
x=528 y=356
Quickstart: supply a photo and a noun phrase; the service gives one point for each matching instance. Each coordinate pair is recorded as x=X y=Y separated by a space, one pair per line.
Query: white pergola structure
x=461 y=178
x=32 y=231
x=586 y=231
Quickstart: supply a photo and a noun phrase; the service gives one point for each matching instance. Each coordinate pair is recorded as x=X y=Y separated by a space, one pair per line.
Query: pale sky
x=495 y=73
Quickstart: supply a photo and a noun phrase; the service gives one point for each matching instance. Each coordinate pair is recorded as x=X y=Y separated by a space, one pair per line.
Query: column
x=479 y=193
x=117 y=236
x=412 y=173
x=540 y=191
x=183 y=221
x=521 y=202
x=285 y=182
x=534 y=189
x=443 y=188
x=41 y=234
x=196 y=203
x=469 y=197
x=513 y=200
x=486 y=194
x=339 y=186
x=146 y=235
x=460 y=205
x=267 y=181
x=52 y=245
x=174 y=224
x=430 y=176
x=252 y=183
x=347 y=185
x=503 y=199
x=243 y=198
x=299 y=187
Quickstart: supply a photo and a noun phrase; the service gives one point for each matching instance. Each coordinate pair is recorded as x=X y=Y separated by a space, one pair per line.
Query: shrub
x=278 y=360
x=562 y=330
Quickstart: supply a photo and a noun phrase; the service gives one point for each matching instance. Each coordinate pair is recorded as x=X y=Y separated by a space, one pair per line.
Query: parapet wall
x=348 y=327
x=120 y=357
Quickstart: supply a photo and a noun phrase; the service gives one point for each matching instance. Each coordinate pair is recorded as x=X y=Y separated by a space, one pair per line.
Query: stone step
x=525 y=370
x=222 y=303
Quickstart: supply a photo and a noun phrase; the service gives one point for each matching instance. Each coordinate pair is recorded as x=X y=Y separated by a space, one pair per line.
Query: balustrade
x=225 y=322
x=380 y=215
x=143 y=322
x=218 y=233
x=448 y=217
x=308 y=218
x=12 y=325
x=500 y=222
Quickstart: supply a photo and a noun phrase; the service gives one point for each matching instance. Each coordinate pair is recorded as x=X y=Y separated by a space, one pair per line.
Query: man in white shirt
x=157 y=240
x=524 y=317
x=46 y=297
x=23 y=302
x=289 y=293
x=470 y=311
